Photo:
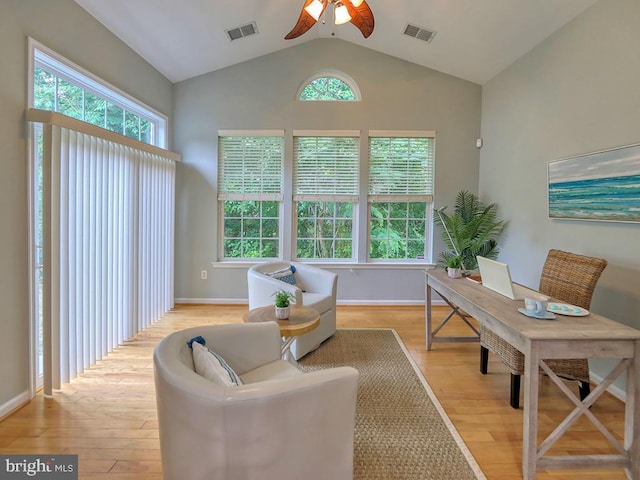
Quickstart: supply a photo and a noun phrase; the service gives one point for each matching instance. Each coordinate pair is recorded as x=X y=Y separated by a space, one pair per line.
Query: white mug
x=536 y=305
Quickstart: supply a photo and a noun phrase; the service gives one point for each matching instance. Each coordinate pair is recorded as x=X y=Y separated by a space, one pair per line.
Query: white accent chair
x=315 y=288
x=282 y=423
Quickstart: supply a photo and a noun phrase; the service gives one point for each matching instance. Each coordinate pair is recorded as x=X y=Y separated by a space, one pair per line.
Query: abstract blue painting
x=596 y=186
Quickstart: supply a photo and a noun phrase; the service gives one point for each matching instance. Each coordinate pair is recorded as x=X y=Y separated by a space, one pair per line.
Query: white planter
x=454 y=272
x=282 y=313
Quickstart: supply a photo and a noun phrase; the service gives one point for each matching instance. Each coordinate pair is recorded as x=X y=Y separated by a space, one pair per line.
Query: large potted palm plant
x=473 y=229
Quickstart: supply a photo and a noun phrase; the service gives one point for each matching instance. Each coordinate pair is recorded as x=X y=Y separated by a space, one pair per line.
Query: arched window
x=329 y=86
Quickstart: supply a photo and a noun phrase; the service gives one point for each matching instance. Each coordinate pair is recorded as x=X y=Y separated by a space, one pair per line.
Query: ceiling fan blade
x=361 y=17
x=305 y=22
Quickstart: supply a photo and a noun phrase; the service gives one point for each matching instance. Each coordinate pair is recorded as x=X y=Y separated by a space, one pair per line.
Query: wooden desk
x=593 y=336
x=301 y=320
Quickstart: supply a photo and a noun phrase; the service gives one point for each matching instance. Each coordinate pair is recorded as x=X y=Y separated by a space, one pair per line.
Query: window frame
x=361 y=210
x=222 y=237
x=395 y=197
x=334 y=219
x=222 y=197
x=343 y=77
x=38 y=54
x=352 y=197
x=63 y=68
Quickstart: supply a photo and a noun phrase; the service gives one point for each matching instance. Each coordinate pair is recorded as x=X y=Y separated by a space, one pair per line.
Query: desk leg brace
x=582 y=408
x=632 y=415
x=455 y=310
x=533 y=457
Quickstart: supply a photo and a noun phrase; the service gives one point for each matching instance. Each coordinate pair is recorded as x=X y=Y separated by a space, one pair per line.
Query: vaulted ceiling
x=474 y=39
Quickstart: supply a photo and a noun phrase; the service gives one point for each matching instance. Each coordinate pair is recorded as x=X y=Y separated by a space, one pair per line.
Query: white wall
x=577 y=92
x=66 y=28
x=261 y=94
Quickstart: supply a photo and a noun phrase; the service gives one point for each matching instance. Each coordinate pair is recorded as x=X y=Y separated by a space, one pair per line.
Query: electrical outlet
x=203 y=275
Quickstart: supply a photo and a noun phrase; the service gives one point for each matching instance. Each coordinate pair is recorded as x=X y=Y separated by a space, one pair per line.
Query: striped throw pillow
x=285 y=275
x=212 y=366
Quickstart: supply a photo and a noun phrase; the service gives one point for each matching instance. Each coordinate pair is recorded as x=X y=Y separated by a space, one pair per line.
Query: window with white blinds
x=326 y=165
x=325 y=184
x=400 y=195
x=320 y=185
x=250 y=193
x=401 y=166
x=251 y=165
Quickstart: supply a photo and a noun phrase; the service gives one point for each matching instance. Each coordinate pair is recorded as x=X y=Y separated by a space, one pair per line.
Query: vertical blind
x=108 y=245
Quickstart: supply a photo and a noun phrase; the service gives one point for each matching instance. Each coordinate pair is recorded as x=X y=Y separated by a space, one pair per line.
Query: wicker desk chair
x=568 y=277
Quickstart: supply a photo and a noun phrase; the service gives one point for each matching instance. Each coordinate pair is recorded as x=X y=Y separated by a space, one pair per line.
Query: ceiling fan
x=354 y=11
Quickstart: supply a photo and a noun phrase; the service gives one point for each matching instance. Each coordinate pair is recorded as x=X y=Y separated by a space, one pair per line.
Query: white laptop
x=495 y=275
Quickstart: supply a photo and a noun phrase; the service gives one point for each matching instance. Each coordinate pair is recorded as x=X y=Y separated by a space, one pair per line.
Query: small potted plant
x=454 y=266
x=283 y=304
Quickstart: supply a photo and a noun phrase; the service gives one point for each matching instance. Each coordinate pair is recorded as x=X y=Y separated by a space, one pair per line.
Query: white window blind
x=108 y=242
x=251 y=165
x=326 y=167
x=401 y=167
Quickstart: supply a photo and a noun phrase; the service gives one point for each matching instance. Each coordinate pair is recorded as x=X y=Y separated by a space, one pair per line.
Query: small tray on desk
x=567 y=309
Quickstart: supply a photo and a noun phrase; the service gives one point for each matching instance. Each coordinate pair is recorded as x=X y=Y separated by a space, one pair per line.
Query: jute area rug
x=402 y=431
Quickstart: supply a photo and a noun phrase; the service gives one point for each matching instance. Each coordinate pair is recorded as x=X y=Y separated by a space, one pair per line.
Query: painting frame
x=596 y=186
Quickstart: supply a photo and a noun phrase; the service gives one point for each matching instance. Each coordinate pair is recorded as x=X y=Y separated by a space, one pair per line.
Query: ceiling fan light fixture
x=357 y=12
x=342 y=14
x=315 y=9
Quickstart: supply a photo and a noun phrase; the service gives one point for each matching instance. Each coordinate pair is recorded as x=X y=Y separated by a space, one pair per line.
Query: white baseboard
x=211 y=301
x=13 y=404
x=244 y=301
x=614 y=390
x=391 y=303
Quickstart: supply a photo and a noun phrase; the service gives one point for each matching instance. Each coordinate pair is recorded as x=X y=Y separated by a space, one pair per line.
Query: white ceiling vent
x=419 y=33
x=242 y=31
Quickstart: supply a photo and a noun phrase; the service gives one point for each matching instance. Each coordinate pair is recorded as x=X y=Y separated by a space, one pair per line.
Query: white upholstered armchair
x=315 y=288
x=281 y=423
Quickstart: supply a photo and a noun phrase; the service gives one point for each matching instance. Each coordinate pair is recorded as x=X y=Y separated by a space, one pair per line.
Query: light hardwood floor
x=107 y=416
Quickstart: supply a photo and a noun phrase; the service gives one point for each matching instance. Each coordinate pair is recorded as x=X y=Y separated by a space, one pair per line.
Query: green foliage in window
x=94 y=107
x=70 y=99
x=58 y=95
x=115 y=118
x=325 y=230
x=251 y=229
x=397 y=230
x=327 y=89
x=44 y=90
